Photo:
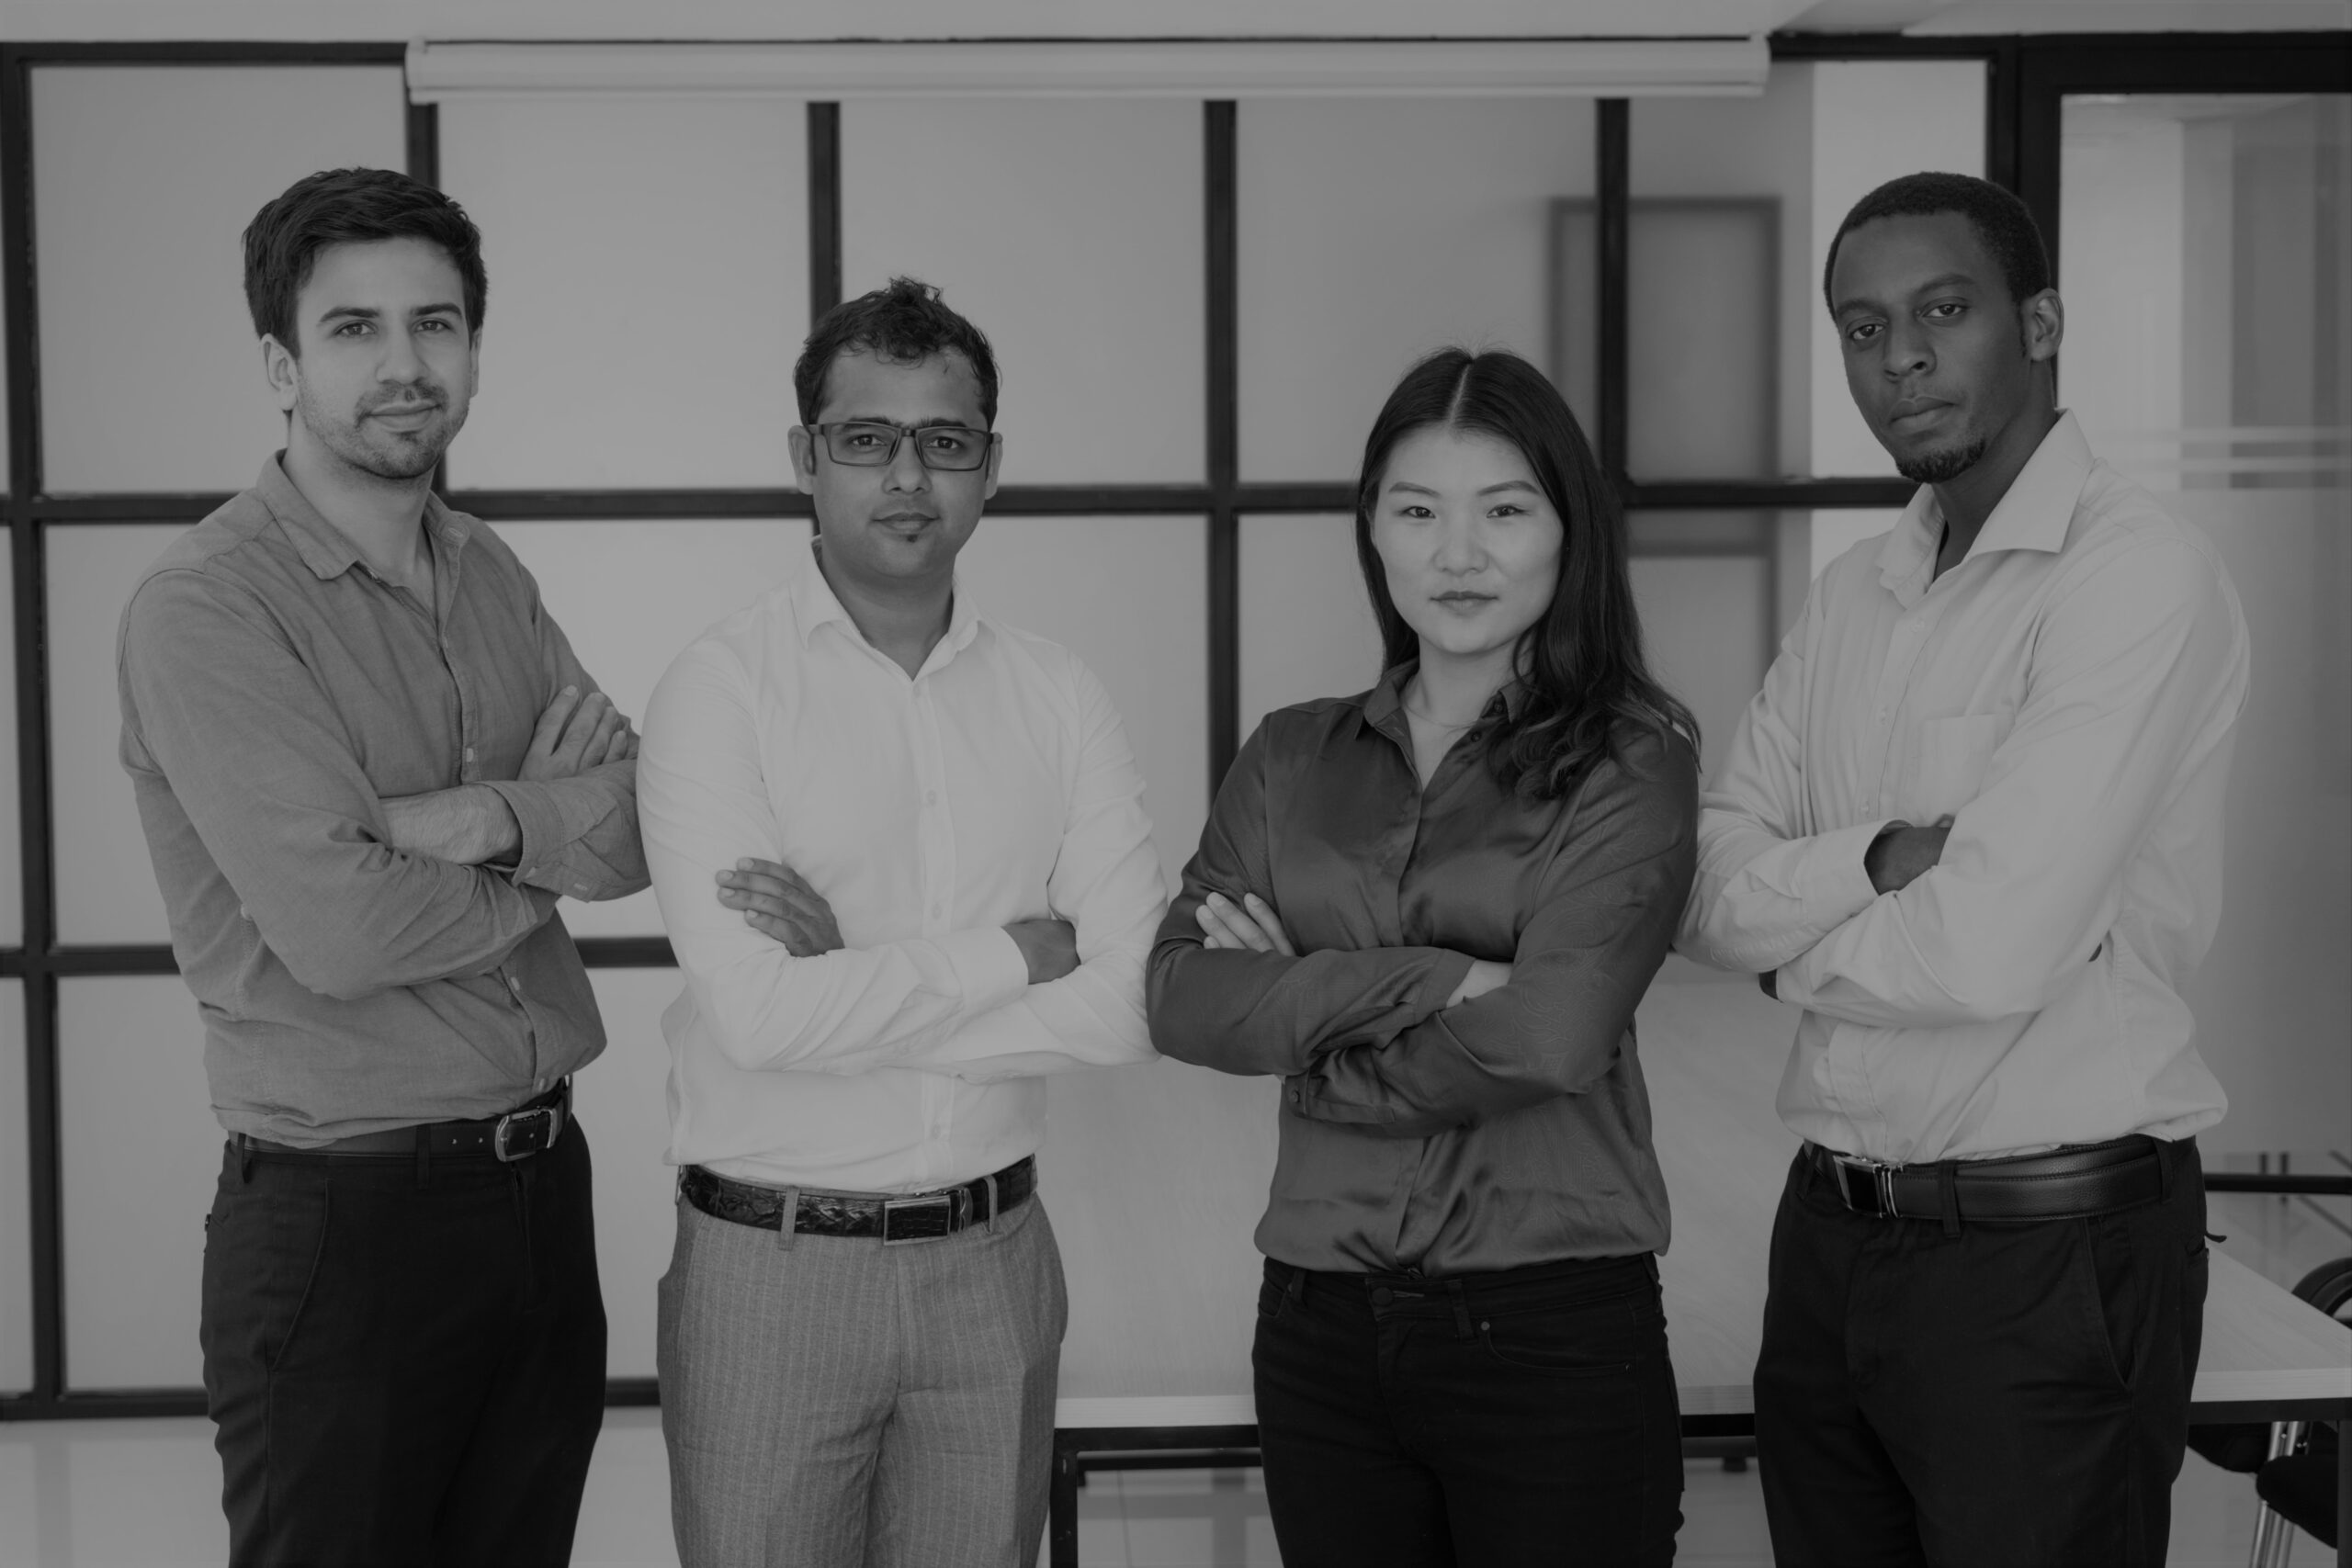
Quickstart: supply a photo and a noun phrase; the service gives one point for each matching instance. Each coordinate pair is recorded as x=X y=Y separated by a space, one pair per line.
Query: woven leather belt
x=529 y=1129
x=919 y=1216
x=2065 y=1184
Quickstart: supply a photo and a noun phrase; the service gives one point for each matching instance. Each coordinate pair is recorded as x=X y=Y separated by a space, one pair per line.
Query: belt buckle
x=1857 y=1179
x=929 y=1216
x=521 y=1133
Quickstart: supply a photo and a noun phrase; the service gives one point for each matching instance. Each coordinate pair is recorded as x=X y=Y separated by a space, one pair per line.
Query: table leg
x=1061 y=1510
x=2344 y=1493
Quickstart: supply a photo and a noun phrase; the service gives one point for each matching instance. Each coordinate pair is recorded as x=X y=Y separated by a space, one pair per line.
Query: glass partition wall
x=1198 y=308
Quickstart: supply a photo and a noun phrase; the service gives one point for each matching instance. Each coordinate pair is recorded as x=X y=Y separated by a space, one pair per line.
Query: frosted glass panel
x=145 y=176
x=106 y=884
x=1372 y=231
x=2212 y=362
x=630 y=595
x=1129 y=596
x=622 y=1100
x=1836 y=532
x=12 y=913
x=1307 y=626
x=1706 y=621
x=649 y=268
x=1069 y=232
x=1758 y=152
x=15 y=1199
x=141 y=1156
x=1873 y=120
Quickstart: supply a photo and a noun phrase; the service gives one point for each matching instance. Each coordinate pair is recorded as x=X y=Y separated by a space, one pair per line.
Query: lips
x=1915 y=410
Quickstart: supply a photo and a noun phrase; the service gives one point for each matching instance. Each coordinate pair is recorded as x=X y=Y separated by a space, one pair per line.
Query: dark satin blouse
x=1510 y=1129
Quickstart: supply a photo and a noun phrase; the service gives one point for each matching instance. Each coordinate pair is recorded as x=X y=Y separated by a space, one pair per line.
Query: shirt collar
x=2034 y=514
x=326 y=550
x=1386 y=702
x=815 y=605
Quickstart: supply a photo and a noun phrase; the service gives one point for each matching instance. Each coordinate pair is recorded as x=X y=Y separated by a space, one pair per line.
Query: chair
x=2293 y=1462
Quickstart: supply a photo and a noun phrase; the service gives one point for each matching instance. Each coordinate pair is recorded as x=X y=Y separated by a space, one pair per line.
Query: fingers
x=1263 y=913
x=796 y=941
x=553 y=719
x=1235 y=923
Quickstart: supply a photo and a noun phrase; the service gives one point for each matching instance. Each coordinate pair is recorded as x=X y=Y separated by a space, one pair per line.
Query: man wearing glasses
x=901 y=852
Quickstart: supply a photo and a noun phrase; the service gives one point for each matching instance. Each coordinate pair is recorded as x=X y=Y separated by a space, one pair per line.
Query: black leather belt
x=919 y=1216
x=530 y=1128
x=2071 y=1183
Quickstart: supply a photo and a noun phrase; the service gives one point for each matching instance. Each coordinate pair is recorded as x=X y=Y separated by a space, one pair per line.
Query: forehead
x=1888 y=258
x=1441 y=458
x=381 y=272
x=940 y=388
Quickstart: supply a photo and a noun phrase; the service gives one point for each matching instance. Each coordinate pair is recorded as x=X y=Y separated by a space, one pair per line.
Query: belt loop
x=245 y=1160
x=1948 y=1194
x=423 y=1158
x=994 y=1203
x=1296 y=1287
x=788 y=1228
x=2164 y=1170
x=1462 y=1329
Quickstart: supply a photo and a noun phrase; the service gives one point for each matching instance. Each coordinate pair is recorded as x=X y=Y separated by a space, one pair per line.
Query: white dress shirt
x=2068 y=692
x=996 y=785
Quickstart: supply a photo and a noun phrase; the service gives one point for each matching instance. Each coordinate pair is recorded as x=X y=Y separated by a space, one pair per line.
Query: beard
x=372 y=449
x=1941 y=467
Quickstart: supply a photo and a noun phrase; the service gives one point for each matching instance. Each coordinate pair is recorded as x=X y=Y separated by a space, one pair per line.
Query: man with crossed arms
x=902 y=851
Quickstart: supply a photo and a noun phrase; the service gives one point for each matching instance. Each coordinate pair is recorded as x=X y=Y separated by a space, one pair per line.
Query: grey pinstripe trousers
x=836 y=1404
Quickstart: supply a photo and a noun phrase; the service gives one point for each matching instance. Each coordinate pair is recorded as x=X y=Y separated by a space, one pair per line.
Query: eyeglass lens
x=947 y=447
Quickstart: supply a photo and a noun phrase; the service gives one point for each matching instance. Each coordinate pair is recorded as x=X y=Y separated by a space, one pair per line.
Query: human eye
x=860 y=438
x=355 y=328
x=1507 y=509
x=1946 y=311
x=1859 y=333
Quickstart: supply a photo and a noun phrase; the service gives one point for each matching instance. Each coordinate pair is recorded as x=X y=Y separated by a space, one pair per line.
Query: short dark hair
x=2000 y=220
x=1588 y=688
x=337 y=207
x=904 y=322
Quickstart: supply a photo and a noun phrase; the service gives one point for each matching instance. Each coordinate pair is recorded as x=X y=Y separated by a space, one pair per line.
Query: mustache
x=406 y=399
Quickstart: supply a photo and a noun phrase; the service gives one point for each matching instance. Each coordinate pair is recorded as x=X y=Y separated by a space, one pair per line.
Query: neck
x=1969 y=500
x=905 y=619
x=1455 y=688
x=381 y=517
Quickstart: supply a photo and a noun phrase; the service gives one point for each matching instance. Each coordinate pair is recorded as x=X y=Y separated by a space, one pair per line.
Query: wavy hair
x=1583 y=680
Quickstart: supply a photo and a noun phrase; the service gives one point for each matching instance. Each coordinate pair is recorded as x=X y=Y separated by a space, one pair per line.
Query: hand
x=1049 y=947
x=1485 y=976
x=465 y=826
x=776 y=902
x=1250 y=924
x=1901 y=852
x=575 y=734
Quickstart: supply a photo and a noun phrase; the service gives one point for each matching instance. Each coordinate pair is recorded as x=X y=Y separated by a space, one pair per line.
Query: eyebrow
x=370 y=312
x=928 y=422
x=1942 y=280
x=1490 y=489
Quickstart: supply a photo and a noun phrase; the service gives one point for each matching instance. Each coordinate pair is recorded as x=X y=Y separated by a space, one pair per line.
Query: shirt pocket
x=1954 y=755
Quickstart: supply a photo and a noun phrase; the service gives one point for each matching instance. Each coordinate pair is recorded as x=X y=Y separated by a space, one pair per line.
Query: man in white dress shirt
x=1972 y=826
x=902 y=851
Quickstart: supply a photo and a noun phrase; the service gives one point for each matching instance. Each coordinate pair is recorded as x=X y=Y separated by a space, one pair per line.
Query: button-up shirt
x=276 y=692
x=1511 y=1128
x=994 y=785
x=2066 y=692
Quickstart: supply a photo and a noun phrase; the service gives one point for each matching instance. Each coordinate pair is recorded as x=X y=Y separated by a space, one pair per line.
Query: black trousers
x=2014 y=1394
x=405 y=1364
x=1516 y=1418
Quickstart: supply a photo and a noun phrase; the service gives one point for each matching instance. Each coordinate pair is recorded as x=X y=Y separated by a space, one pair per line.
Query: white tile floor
x=145 y=1494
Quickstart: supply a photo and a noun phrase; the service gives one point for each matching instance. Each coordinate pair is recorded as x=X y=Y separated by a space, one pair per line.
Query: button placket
x=934 y=828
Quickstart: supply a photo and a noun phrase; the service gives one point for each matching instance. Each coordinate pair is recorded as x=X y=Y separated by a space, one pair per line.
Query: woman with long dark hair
x=1430 y=909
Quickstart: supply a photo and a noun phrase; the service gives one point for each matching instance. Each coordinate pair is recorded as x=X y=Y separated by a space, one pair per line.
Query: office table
x=1158 y=1358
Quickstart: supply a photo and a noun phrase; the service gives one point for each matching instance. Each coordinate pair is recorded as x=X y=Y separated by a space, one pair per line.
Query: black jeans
x=1515 y=1418
x=2014 y=1394
x=406 y=1365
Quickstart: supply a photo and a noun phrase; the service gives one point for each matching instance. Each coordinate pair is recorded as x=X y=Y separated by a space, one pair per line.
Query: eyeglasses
x=861 y=444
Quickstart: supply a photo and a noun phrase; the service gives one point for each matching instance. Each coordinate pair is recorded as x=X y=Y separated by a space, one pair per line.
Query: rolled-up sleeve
x=1608 y=904
x=258 y=758
x=1248 y=1013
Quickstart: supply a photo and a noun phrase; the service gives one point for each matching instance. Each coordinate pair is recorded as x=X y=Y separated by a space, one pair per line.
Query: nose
x=1908 y=352
x=907 y=475
x=401 y=363
x=1460 y=547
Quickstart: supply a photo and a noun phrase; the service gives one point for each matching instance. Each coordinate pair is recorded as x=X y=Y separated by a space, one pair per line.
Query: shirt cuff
x=1833 y=875
x=989 y=964
x=545 y=835
x=1429 y=996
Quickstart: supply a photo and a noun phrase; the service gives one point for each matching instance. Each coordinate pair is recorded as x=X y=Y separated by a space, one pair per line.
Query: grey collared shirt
x=276 y=692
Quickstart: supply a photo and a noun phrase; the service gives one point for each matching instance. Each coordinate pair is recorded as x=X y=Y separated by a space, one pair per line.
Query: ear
x=282 y=371
x=804 y=458
x=988 y=472
x=473 y=363
x=2043 y=321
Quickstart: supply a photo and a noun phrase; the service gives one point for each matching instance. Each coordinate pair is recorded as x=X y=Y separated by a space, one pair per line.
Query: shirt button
x=470 y=753
x=538 y=1083
x=1383 y=1296
x=513 y=985
x=931 y=797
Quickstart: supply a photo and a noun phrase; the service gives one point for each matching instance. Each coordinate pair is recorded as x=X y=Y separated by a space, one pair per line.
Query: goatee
x=1940 y=468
